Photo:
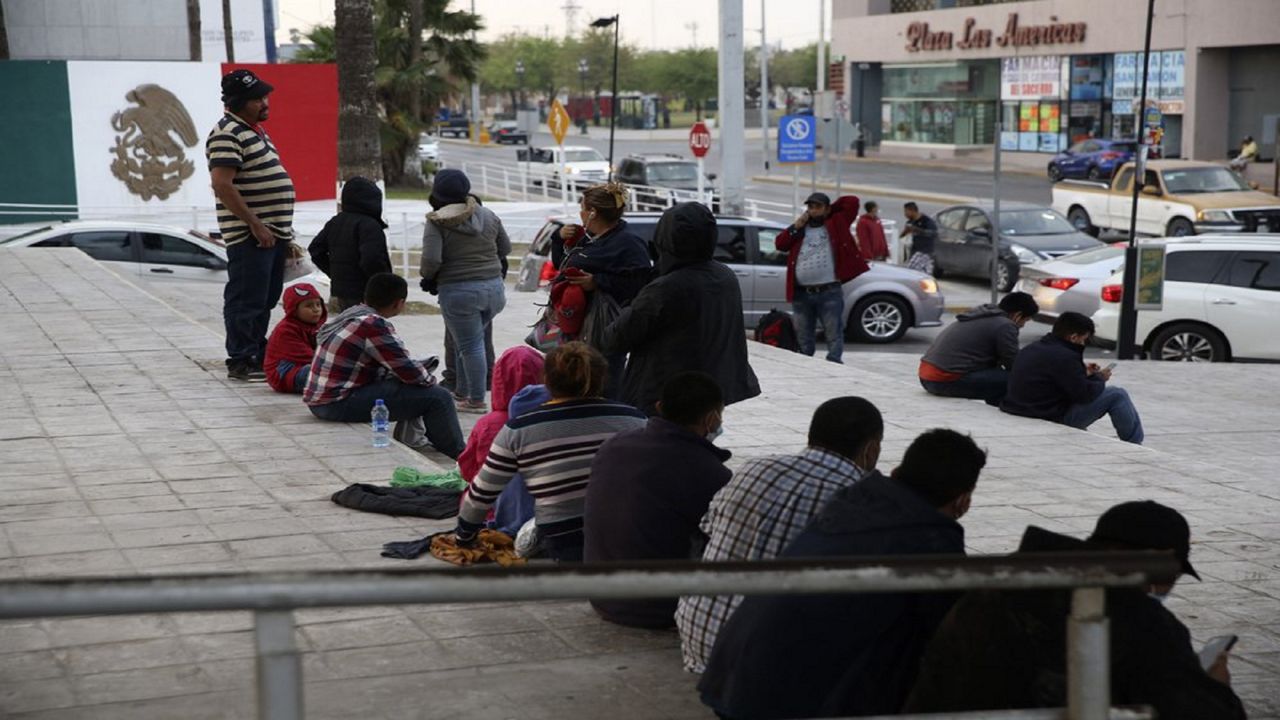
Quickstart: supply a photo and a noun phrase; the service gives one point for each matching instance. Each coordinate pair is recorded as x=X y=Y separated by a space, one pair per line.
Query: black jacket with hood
x=352 y=247
x=984 y=337
x=1048 y=377
x=688 y=318
x=1007 y=650
x=833 y=655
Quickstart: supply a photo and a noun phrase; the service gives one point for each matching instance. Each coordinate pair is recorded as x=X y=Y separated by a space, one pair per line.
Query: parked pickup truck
x=1177 y=198
x=584 y=165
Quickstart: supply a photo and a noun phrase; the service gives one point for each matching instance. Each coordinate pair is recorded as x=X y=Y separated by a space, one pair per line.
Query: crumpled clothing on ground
x=489 y=546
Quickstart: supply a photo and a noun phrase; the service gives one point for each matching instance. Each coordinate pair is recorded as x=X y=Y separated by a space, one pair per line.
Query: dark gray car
x=1028 y=234
x=881 y=304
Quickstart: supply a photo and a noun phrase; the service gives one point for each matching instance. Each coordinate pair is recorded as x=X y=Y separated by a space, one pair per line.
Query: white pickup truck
x=583 y=165
x=1177 y=197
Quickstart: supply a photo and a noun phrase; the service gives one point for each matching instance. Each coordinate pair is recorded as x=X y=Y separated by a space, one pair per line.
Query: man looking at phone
x=1051 y=381
x=1007 y=650
x=821 y=257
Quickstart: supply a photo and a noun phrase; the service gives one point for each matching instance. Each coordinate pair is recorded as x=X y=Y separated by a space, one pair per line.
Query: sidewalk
x=123 y=450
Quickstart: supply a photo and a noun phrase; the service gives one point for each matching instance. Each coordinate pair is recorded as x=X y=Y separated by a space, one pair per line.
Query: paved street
x=124 y=450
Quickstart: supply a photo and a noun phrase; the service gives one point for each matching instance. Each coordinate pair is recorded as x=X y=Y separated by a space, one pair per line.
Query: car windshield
x=588 y=155
x=1098 y=254
x=1203 y=180
x=1033 y=222
x=673 y=172
x=25 y=234
x=1128 y=147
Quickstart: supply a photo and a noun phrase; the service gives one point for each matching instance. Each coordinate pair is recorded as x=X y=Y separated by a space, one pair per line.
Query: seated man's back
x=970 y=358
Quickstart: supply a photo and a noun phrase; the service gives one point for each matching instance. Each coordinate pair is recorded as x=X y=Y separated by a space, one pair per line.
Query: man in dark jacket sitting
x=1051 y=381
x=688 y=318
x=972 y=356
x=650 y=488
x=352 y=247
x=1008 y=650
x=841 y=655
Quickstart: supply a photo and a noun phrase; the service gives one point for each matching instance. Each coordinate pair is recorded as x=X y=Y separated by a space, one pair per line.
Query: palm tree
x=228 y=35
x=354 y=52
x=195 y=43
x=4 y=36
x=411 y=78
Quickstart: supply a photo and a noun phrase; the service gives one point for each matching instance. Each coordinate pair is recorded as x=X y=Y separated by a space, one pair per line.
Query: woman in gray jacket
x=460 y=249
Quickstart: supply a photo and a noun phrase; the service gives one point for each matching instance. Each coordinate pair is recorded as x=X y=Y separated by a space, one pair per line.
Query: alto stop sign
x=699 y=139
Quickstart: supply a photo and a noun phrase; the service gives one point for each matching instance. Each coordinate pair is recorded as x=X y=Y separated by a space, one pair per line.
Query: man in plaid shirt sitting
x=360 y=359
x=770 y=500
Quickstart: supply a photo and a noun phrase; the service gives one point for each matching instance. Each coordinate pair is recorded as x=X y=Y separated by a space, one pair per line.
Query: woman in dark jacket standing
x=688 y=318
x=352 y=247
x=608 y=257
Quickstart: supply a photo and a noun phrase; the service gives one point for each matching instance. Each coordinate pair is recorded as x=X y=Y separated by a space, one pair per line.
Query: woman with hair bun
x=552 y=447
x=603 y=255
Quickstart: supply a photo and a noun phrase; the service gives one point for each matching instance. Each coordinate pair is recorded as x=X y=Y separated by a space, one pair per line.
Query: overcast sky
x=647 y=23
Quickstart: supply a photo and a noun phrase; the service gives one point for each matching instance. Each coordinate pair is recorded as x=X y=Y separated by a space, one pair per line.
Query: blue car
x=1093 y=158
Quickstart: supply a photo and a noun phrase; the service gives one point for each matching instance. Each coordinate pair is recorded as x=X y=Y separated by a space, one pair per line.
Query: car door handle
x=742 y=273
x=1223 y=301
x=166 y=271
x=772 y=274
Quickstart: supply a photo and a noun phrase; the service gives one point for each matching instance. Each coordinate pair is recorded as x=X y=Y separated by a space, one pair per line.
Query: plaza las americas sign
x=921 y=37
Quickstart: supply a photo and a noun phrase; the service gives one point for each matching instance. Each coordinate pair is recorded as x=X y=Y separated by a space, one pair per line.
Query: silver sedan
x=1071 y=283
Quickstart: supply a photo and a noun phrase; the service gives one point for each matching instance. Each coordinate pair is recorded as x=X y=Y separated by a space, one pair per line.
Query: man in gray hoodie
x=971 y=358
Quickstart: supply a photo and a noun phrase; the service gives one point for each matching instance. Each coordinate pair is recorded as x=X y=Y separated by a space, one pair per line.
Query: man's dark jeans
x=255 y=279
x=433 y=404
x=990 y=384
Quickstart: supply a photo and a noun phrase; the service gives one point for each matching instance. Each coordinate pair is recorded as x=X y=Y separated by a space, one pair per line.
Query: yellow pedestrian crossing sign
x=558 y=122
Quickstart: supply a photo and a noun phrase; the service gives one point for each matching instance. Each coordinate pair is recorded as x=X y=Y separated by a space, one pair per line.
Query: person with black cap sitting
x=1007 y=650
x=255 y=217
x=822 y=256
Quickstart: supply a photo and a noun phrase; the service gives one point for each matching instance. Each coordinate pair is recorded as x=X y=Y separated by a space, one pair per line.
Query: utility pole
x=821 y=84
x=764 y=88
x=692 y=27
x=732 y=118
x=1128 y=301
x=475 y=94
x=570 y=9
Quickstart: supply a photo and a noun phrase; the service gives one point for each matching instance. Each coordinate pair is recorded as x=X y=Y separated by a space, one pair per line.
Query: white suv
x=1221 y=301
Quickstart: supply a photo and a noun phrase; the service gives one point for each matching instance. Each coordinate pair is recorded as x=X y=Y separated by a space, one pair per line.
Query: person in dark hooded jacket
x=688 y=318
x=352 y=247
x=801 y=656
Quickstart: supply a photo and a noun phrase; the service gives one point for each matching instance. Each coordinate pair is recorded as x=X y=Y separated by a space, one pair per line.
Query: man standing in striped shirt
x=255 y=217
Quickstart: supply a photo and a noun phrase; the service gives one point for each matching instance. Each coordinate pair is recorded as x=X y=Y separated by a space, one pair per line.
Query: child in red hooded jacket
x=292 y=344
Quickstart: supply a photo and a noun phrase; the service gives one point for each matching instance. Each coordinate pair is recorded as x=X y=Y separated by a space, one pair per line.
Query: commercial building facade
x=930 y=78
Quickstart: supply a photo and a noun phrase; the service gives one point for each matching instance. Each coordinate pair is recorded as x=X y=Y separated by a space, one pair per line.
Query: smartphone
x=1215 y=647
x=1112 y=366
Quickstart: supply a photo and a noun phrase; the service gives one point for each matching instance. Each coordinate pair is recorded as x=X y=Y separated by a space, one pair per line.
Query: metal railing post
x=484 y=179
x=279 y=667
x=506 y=183
x=404 y=250
x=1088 y=656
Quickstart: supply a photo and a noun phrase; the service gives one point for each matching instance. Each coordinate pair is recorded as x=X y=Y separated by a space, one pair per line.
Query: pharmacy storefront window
x=1166 y=89
x=949 y=103
x=1031 y=103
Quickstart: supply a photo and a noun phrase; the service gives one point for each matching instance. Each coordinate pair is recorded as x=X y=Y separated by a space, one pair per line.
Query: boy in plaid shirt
x=360 y=359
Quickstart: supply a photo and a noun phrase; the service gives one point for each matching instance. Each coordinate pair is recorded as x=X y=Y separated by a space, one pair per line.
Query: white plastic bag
x=297 y=265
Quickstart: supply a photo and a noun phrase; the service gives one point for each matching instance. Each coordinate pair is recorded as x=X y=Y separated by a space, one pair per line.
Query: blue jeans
x=433 y=404
x=468 y=308
x=988 y=384
x=827 y=306
x=1115 y=402
x=255 y=279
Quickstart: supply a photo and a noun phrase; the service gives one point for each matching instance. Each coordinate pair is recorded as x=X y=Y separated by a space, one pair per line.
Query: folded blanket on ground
x=405 y=476
x=490 y=546
x=427 y=502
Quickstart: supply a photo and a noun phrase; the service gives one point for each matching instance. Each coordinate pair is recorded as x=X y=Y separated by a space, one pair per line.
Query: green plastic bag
x=405 y=476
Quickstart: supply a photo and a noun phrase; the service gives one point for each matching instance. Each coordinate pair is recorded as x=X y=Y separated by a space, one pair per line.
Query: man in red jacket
x=871 y=242
x=821 y=257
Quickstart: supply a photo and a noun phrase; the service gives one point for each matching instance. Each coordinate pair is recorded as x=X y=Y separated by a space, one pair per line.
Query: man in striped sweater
x=255 y=217
x=552 y=447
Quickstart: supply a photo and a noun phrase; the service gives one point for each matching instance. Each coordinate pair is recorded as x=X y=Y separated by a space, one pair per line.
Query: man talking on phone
x=1050 y=380
x=821 y=257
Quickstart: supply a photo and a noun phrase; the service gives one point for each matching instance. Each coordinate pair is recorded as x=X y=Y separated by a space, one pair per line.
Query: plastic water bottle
x=381 y=425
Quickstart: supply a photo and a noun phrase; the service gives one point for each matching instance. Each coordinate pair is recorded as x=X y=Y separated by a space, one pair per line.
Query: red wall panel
x=303 y=123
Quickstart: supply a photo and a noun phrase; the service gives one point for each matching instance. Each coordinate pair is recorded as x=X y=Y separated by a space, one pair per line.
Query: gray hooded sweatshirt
x=463 y=242
x=985 y=337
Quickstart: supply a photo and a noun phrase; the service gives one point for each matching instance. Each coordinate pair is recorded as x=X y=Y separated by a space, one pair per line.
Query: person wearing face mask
x=688 y=318
x=605 y=257
x=1007 y=650
x=770 y=500
x=822 y=255
x=650 y=488
x=841 y=655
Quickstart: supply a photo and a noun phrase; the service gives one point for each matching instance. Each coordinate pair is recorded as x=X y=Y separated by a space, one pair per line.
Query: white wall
x=97 y=29
x=247 y=30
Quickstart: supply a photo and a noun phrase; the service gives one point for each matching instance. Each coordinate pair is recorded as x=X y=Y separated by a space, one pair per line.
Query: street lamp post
x=861 y=136
x=613 y=104
x=583 y=69
x=520 y=84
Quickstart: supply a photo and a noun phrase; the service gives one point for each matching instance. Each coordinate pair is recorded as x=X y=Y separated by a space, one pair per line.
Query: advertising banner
x=1031 y=77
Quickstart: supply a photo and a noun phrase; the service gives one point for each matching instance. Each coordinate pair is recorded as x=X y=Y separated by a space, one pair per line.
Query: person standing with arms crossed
x=255 y=217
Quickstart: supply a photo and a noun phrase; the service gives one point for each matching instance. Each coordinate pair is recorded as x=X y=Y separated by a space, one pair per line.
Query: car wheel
x=1080 y=220
x=1055 y=172
x=1189 y=342
x=1181 y=227
x=1095 y=173
x=878 y=319
x=1006 y=275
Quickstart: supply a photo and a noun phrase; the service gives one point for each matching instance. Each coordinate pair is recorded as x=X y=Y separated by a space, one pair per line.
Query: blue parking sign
x=797 y=139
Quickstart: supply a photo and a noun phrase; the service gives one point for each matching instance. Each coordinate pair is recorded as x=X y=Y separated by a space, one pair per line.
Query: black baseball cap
x=1147 y=525
x=243 y=85
x=817 y=198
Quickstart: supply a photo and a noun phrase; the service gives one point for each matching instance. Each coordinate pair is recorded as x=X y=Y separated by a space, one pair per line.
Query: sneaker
x=244 y=372
x=469 y=406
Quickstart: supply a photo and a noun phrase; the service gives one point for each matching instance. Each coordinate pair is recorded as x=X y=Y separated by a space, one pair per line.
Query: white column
x=732 y=120
x=822 y=48
x=764 y=87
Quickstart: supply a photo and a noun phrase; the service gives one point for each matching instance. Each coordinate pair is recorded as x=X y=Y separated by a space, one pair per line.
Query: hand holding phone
x=1216 y=647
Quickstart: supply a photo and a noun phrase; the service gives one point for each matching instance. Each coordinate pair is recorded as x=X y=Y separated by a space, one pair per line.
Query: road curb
x=876 y=190
x=933 y=165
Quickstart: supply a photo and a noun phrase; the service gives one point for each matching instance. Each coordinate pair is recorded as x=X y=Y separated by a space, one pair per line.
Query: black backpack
x=777 y=329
